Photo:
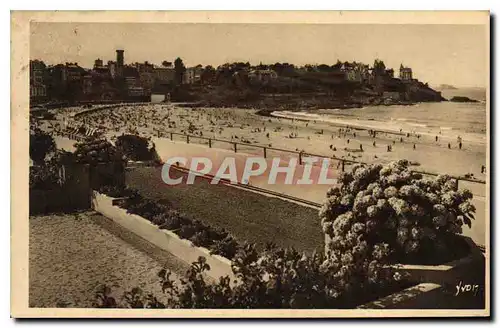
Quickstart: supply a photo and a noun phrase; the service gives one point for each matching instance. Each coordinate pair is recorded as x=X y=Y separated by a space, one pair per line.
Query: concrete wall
x=164 y=239
x=421 y=296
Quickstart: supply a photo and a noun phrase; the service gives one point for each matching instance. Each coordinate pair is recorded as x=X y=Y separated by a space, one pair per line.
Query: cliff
x=420 y=92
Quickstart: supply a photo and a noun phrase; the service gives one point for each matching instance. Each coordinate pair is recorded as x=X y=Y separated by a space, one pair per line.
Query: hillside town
x=347 y=84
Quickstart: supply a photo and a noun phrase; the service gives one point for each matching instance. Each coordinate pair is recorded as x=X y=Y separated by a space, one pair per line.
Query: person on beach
x=401 y=139
x=449 y=145
x=414 y=146
x=483 y=169
x=354 y=134
x=436 y=138
x=460 y=145
x=348 y=141
x=361 y=147
x=388 y=148
x=374 y=145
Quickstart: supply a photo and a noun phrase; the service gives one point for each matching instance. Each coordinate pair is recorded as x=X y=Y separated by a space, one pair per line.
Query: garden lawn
x=248 y=216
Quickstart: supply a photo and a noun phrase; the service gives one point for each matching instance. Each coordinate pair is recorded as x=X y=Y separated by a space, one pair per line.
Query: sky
x=438 y=54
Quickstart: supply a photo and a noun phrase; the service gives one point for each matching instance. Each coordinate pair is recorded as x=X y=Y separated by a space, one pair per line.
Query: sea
x=447 y=119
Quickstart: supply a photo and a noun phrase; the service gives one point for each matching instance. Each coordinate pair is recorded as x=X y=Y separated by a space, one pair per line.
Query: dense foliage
x=44 y=177
x=93 y=151
x=41 y=144
x=272 y=279
x=389 y=209
x=134 y=147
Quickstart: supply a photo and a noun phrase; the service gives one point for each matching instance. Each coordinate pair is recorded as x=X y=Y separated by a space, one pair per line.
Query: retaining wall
x=164 y=239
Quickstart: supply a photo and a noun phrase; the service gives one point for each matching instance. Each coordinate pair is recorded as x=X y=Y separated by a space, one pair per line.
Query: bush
x=92 y=151
x=226 y=247
x=44 y=177
x=116 y=191
x=134 y=147
x=41 y=144
x=274 y=279
x=389 y=209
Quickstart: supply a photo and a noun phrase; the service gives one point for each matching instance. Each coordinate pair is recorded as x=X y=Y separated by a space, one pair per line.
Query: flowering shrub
x=388 y=210
x=272 y=279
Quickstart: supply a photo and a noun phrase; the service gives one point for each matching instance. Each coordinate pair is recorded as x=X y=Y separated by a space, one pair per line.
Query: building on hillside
x=145 y=67
x=112 y=69
x=98 y=63
x=73 y=72
x=389 y=72
x=164 y=74
x=356 y=72
x=262 y=75
x=405 y=73
x=38 y=80
x=147 y=81
x=131 y=81
x=87 y=84
x=135 y=92
x=192 y=75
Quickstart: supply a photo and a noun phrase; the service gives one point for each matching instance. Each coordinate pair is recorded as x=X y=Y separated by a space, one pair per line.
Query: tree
x=134 y=147
x=208 y=74
x=379 y=67
x=323 y=68
x=338 y=65
x=180 y=69
x=41 y=144
x=166 y=63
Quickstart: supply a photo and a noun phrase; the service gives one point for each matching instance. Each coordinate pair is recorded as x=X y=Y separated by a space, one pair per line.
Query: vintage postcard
x=255 y=164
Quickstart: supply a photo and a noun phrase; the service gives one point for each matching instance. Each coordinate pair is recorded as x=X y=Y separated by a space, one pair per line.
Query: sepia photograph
x=306 y=164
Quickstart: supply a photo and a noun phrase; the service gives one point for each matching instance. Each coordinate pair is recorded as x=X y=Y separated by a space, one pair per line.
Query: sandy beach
x=313 y=133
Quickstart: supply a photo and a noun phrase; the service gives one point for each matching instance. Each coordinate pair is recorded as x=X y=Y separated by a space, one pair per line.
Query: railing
x=265 y=149
x=300 y=154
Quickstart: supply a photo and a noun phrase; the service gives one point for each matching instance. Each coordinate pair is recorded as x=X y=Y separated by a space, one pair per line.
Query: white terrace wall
x=164 y=239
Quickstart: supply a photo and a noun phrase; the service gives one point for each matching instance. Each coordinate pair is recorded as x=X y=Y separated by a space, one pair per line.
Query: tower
x=119 y=62
x=119 y=58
